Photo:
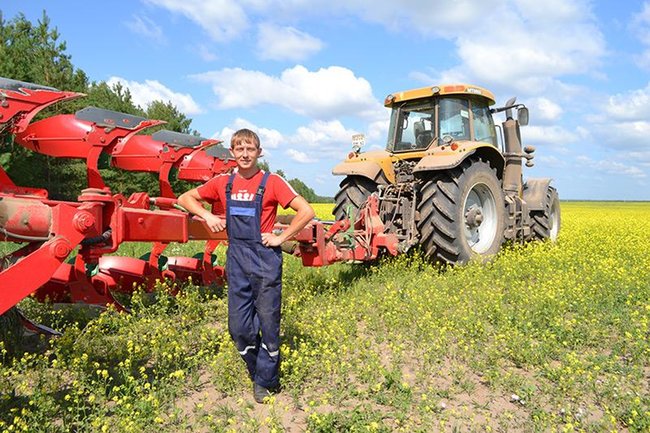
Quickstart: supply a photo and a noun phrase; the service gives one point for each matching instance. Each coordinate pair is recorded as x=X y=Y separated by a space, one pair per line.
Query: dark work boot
x=260 y=393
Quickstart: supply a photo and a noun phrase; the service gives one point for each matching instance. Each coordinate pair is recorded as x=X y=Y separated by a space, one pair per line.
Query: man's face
x=245 y=154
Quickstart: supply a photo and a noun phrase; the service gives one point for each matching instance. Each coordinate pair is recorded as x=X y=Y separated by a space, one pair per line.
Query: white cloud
x=422 y=77
x=633 y=105
x=299 y=156
x=410 y=15
x=310 y=143
x=641 y=24
x=612 y=167
x=623 y=121
x=323 y=94
x=145 y=93
x=545 y=109
x=223 y=20
x=641 y=27
x=527 y=45
x=269 y=138
x=516 y=43
x=643 y=60
x=378 y=132
x=551 y=161
x=625 y=135
x=549 y=135
x=206 y=54
x=145 y=27
x=285 y=43
x=641 y=157
x=323 y=139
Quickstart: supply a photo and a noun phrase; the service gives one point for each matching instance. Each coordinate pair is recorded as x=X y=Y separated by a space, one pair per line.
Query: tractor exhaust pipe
x=512 y=174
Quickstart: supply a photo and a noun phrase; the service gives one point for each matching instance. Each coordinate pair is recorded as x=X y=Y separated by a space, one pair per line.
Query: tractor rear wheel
x=462 y=213
x=545 y=224
x=354 y=191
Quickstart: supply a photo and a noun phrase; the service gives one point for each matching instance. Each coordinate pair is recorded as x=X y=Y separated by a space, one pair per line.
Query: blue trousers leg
x=254 y=299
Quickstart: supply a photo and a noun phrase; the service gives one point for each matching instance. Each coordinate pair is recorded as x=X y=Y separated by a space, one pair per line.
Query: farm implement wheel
x=545 y=224
x=462 y=213
x=353 y=193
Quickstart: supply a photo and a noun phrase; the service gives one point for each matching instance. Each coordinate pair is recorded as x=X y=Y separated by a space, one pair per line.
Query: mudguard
x=535 y=192
x=368 y=164
x=444 y=158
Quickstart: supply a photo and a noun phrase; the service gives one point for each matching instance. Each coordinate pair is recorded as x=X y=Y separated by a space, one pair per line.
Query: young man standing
x=254 y=258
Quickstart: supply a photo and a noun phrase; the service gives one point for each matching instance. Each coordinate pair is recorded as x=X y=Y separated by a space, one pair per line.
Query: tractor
x=450 y=180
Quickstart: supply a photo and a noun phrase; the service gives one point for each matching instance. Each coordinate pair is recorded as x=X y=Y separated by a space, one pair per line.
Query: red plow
x=66 y=248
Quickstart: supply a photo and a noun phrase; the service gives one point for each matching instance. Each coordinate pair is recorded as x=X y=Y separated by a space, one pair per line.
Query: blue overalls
x=254 y=274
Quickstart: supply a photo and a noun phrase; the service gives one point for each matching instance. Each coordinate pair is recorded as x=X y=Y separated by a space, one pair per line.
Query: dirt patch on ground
x=205 y=406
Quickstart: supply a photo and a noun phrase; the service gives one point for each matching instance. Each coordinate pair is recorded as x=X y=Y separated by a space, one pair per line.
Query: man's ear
x=231 y=152
x=260 y=152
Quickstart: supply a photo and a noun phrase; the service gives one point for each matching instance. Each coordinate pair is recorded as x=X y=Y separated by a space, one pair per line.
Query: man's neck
x=248 y=173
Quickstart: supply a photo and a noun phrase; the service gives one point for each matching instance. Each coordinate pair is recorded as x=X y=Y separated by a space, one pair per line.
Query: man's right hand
x=215 y=223
x=192 y=202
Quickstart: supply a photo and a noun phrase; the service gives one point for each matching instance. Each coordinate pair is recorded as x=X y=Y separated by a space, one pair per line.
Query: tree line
x=35 y=52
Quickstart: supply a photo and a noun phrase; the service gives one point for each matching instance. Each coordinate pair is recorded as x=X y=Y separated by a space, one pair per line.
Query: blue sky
x=307 y=75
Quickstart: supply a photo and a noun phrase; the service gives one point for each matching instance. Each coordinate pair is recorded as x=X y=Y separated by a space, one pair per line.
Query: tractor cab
x=432 y=116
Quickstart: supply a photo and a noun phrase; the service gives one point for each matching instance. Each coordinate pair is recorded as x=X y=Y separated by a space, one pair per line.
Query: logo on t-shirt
x=242 y=196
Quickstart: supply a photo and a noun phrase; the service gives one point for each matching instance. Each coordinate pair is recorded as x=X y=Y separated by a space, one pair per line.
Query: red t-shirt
x=278 y=191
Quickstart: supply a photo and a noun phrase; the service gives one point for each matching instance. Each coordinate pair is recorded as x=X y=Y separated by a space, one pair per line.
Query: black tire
x=545 y=224
x=354 y=191
x=462 y=213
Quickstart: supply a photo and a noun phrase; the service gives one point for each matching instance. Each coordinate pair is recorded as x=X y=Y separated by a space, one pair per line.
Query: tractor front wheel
x=354 y=191
x=462 y=213
x=545 y=224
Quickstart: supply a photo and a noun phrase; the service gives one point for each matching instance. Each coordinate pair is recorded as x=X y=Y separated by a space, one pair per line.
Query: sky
x=308 y=74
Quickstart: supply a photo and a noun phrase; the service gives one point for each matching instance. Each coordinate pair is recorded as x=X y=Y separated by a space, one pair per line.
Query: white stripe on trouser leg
x=245 y=351
x=271 y=354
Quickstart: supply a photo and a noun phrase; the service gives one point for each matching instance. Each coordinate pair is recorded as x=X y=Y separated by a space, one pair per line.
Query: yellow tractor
x=450 y=180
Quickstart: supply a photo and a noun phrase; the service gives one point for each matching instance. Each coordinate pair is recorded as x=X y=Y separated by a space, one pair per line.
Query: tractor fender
x=441 y=160
x=535 y=192
x=370 y=169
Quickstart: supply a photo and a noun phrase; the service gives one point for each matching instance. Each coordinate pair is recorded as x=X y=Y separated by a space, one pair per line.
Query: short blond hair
x=244 y=135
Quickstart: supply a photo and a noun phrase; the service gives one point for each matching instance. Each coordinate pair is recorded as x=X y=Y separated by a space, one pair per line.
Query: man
x=254 y=257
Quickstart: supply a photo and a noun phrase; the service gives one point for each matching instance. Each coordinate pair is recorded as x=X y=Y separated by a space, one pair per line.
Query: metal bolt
x=83 y=221
x=474 y=216
x=60 y=249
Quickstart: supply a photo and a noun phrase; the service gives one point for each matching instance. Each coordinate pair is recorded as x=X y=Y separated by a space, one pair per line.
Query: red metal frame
x=21 y=103
x=18 y=106
x=320 y=245
x=159 y=154
x=100 y=221
x=69 y=136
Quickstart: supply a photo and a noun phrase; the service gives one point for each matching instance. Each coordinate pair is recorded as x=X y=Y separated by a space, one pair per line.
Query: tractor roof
x=445 y=89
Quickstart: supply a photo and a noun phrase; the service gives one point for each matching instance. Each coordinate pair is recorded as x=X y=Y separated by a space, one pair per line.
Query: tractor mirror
x=522 y=116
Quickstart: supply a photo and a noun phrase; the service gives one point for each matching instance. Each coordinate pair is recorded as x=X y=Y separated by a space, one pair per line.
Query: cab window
x=483 y=124
x=411 y=127
x=454 y=118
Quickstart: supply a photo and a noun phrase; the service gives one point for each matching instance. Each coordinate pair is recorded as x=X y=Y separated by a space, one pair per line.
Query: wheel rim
x=554 y=220
x=480 y=218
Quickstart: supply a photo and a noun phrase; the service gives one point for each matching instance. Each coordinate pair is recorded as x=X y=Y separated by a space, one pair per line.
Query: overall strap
x=262 y=187
x=259 y=197
x=229 y=185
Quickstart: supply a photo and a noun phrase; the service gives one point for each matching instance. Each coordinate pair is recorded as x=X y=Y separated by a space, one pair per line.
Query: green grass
x=547 y=337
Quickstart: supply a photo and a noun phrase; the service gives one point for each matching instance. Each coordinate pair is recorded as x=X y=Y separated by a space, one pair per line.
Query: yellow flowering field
x=546 y=337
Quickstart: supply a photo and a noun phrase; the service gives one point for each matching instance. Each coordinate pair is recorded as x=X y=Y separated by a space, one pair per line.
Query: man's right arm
x=193 y=203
